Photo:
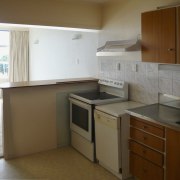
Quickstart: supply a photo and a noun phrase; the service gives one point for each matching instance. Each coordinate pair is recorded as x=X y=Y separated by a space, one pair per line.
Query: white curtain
x=19 y=56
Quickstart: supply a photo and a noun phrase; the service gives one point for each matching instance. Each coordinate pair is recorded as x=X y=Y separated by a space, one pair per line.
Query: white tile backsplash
x=176 y=75
x=176 y=88
x=152 y=85
x=166 y=74
x=112 y=75
x=165 y=85
x=146 y=82
x=141 y=68
x=152 y=70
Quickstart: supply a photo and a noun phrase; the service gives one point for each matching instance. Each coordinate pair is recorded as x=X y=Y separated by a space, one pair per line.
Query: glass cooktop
x=96 y=95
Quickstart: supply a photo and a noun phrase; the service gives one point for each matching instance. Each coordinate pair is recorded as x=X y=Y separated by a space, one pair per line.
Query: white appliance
x=82 y=106
x=112 y=133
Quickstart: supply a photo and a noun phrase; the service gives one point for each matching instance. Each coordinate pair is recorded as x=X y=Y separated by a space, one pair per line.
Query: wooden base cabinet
x=147 y=146
x=145 y=170
x=154 y=151
x=149 y=154
x=172 y=154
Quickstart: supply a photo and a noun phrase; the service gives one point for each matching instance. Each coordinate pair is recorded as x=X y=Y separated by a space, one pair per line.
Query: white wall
x=122 y=20
x=54 y=55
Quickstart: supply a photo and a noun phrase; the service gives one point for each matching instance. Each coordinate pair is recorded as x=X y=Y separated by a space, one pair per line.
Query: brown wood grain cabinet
x=147 y=147
x=178 y=35
x=147 y=139
x=172 y=154
x=149 y=154
x=143 y=169
x=149 y=127
x=159 y=36
x=158 y=156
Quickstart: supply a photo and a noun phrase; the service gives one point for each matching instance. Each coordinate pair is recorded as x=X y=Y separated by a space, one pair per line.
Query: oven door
x=81 y=118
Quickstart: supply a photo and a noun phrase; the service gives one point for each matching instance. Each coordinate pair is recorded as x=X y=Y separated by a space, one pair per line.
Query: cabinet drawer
x=143 y=169
x=147 y=139
x=147 y=153
x=149 y=127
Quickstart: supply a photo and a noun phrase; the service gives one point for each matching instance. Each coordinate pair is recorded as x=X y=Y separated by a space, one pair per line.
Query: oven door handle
x=80 y=103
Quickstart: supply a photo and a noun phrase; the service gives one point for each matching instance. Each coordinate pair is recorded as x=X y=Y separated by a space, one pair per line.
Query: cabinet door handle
x=171 y=49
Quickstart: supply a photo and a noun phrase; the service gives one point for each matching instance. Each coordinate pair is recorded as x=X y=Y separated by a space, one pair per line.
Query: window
x=4 y=55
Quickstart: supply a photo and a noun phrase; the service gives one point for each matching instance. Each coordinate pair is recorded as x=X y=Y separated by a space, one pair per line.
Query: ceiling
x=98 y=1
x=95 y=1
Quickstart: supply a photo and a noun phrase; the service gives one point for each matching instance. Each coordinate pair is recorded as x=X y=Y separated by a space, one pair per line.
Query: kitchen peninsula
x=36 y=114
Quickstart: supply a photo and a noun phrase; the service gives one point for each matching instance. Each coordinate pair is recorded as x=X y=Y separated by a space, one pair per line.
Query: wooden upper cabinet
x=150 y=36
x=159 y=36
x=168 y=36
x=178 y=35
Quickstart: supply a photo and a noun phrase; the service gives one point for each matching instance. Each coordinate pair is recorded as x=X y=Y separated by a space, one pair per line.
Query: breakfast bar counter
x=47 y=82
x=36 y=114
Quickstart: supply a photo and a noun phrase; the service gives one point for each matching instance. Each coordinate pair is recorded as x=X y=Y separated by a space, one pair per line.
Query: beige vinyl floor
x=59 y=164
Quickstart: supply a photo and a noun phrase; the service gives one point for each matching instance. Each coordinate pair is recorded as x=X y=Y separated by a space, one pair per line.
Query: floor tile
x=59 y=164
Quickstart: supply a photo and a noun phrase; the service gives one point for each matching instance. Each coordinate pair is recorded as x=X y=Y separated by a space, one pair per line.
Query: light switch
x=134 y=67
x=118 y=66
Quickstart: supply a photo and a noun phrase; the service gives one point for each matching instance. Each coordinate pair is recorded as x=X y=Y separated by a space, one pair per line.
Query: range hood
x=115 y=48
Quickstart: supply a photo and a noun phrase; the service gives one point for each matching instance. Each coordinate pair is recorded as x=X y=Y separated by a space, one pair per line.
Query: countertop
x=46 y=82
x=158 y=113
x=117 y=109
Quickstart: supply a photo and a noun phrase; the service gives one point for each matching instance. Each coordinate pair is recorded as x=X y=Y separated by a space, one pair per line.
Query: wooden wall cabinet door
x=150 y=24
x=159 y=36
x=178 y=35
x=172 y=154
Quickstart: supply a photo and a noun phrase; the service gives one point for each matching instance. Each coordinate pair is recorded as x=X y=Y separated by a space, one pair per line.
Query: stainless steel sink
x=161 y=113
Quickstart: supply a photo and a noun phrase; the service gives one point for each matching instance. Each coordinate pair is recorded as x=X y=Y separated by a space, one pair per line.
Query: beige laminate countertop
x=46 y=82
x=117 y=109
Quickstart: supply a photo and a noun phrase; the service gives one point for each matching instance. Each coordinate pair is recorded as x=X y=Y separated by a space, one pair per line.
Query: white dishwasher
x=111 y=137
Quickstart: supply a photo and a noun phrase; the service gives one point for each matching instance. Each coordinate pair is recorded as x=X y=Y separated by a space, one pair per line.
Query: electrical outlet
x=77 y=61
x=118 y=66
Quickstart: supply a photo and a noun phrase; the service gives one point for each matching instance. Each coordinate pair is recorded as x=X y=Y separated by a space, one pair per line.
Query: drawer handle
x=145 y=127
x=145 y=138
x=171 y=49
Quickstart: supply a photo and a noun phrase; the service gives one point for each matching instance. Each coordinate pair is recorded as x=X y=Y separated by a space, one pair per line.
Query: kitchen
x=122 y=21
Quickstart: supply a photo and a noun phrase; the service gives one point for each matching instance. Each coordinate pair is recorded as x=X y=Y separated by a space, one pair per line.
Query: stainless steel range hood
x=115 y=48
